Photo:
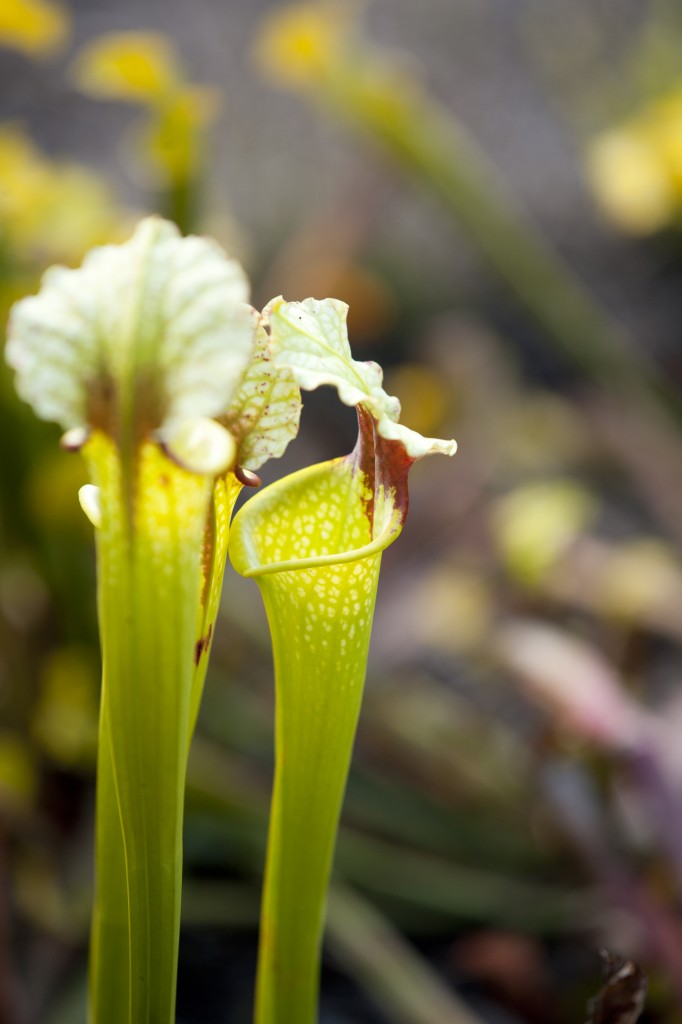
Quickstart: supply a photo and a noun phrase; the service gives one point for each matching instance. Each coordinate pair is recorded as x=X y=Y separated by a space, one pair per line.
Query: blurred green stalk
x=397 y=979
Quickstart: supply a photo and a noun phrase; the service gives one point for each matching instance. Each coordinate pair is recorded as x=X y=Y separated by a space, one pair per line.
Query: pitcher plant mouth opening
x=374 y=477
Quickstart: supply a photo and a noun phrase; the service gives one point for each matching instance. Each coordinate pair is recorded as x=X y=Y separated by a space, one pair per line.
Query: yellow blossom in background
x=534 y=525
x=630 y=182
x=140 y=67
x=35 y=27
x=297 y=43
x=321 y=49
x=144 y=68
x=635 y=169
x=641 y=575
x=51 y=210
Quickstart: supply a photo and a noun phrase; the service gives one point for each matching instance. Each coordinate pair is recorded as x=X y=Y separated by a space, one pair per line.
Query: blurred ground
x=516 y=796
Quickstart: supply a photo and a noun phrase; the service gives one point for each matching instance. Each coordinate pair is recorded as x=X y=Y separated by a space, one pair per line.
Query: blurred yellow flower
x=48 y=209
x=640 y=576
x=140 y=67
x=297 y=43
x=631 y=182
x=319 y=48
x=635 y=169
x=35 y=27
x=144 y=68
x=534 y=524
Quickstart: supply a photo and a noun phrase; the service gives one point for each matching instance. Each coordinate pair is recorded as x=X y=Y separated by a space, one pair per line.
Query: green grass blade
x=396 y=978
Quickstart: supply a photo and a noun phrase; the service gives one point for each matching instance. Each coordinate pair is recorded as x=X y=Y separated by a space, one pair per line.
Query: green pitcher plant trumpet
x=176 y=390
x=314 y=541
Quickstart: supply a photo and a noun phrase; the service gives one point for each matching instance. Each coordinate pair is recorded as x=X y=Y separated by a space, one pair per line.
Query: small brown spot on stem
x=202 y=644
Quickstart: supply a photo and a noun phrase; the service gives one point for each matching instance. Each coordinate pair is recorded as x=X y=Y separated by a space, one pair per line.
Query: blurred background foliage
x=496 y=190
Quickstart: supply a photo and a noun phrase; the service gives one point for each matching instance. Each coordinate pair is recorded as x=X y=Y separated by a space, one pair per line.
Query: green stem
x=313 y=541
x=214 y=557
x=110 y=973
x=317 y=713
x=182 y=201
x=109 y=996
x=149 y=583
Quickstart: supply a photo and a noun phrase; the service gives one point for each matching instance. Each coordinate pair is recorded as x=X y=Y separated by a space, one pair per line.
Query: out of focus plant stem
x=398 y=980
x=143 y=68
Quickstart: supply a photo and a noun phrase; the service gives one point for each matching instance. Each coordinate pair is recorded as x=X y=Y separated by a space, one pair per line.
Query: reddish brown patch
x=139 y=422
x=202 y=644
x=623 y=994
x=102 y=411
x=512 y=967
x=384 y=463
